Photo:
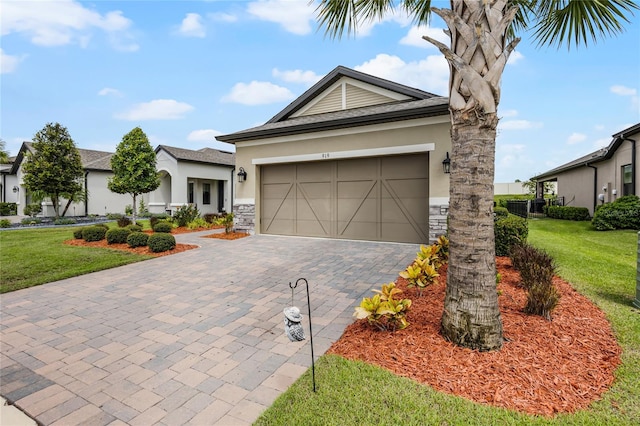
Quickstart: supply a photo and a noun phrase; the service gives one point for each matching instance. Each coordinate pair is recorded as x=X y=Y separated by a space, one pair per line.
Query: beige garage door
x=376 y=199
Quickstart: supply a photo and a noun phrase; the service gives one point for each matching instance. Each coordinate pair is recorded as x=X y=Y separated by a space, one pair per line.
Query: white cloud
x=158 y=109
x=598 y=127
x=414 y=37
x=508 y=113
x=294 y=16
x=575 y=138
x=108 y=91
x=601 y=143
x=519 y=125
x=515 y=57
x=258 y=93
x=623 y=90
x=630 y=92
x=192 y=26
x=62 y=22
x=8 y=63
x=207 y=135
x=296 y=76
x=222 y=17
x=430 y=74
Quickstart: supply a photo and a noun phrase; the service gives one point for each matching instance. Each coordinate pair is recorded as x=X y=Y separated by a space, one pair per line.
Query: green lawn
x=36 y=256
x=601 y=265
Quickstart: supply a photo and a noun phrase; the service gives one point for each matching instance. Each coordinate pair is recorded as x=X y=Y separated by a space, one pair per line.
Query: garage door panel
x=379 y=199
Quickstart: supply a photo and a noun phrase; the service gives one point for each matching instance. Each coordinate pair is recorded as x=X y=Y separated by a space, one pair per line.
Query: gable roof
x=413 y=103
x=90 y=159
x=204 y=155
x=600 y=155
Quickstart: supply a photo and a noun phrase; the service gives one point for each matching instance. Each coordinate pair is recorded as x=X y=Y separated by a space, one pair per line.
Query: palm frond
x=577 y=22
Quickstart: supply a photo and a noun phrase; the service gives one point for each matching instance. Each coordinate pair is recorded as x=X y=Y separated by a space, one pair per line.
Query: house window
x=627 y=180
x=206 y=193
x=190 y=193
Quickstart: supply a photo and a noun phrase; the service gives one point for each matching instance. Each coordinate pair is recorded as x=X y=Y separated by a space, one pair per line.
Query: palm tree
x=4 y=155
x=483 y=35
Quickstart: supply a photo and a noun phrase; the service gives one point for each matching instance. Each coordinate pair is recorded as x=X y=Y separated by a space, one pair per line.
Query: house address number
x=325 y=155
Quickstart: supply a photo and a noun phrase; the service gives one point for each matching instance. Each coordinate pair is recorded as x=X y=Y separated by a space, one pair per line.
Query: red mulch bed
x=145 y=250
x=545 y=367
x=227 y=236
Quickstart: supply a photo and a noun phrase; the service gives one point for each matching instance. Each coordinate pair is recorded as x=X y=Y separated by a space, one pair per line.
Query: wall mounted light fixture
x=446 y=164
x=15 y=189
x=242 y=175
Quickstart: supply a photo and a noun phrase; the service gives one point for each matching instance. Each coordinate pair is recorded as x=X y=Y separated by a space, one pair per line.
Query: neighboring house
x=186 y=175
x=8 y=183
x=203 y=178
x=354 y=157
x=599 y=177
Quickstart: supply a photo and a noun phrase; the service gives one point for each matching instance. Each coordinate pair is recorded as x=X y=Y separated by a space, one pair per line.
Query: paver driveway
x=193 y=338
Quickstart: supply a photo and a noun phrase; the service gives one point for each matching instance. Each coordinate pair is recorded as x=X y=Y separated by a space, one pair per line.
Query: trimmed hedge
x=117 y=235
x=500 y=212
x=137 y=239
x=164 y=227
x=77 y=233
x=624 y=213
x=161 y=242
x=93 y=233
x=567 y=212
x=509 y=231
x=8 y=209
x=134 y=228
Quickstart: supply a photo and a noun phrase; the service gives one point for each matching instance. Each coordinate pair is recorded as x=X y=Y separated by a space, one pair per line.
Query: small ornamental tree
x=54 y=168
x=134 y=167
x=4 y=155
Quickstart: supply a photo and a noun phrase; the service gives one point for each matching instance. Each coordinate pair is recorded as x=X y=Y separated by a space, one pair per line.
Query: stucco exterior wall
x=324 y=145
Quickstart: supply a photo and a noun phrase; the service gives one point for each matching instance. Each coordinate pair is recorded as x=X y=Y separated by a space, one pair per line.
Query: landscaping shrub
x=500 y=212
x=624 y=213
x=32 y=209
x=114 y=216
x=102 y=225
x=567 y=212
x=64 y=221
x=211 y=217
x=117 y=235
x=383 y=310
x=8 y=209
x=198 y=223
x=153 y=220
x=77 y=233
x=509 y=231
x=124 y=221
x=134 y=228
x=185 y=214
x=164 y=227
x=137 y=239
x=5 y=223
x=537 y=269
x=93 y=233
x=161 y=242
x=31 y=221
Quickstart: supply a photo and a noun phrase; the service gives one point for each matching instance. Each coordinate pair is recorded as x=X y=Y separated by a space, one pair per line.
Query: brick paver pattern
x=193 y=338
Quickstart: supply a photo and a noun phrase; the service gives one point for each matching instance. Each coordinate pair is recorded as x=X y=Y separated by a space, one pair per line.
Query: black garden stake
x=293 y=328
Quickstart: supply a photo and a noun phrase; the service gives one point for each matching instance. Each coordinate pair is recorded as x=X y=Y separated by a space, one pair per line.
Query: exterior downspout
x=233 y=173
x=595 y=186
x=86 y=193
x=633 y=164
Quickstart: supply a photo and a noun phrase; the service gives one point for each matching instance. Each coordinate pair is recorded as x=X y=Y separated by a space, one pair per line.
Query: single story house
x=599 y=177
x=354 y=157
x=203 y=178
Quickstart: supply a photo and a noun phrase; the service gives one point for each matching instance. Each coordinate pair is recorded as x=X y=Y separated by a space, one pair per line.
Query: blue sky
x=185 y=71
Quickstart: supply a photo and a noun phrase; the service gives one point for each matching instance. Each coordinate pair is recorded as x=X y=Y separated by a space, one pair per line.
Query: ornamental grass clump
x=383 y=310
x=537 y=270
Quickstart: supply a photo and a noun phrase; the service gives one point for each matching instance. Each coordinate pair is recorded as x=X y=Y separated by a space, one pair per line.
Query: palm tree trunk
x=471 y=317
x=478 y=54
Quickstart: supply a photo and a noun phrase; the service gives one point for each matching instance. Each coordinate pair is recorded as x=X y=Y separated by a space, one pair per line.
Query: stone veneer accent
x=437 y=221
x=245 y=219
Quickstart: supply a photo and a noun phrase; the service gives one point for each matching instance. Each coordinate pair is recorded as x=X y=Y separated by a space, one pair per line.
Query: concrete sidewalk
x=193 y=338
